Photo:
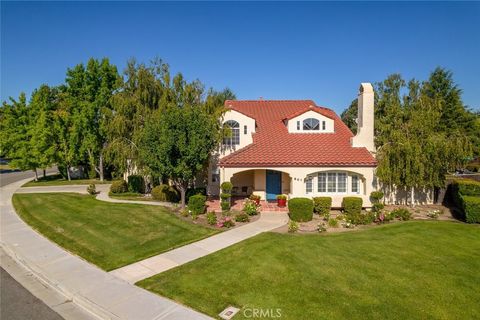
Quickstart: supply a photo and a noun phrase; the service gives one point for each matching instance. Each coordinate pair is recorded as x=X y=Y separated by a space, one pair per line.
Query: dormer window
x=311 y=124
x=234 y=138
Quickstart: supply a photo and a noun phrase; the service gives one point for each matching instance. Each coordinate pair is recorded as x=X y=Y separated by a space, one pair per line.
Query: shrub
x=136 y=184
x=281 y=197
x=322 y=205
x=119 y=186
x=196 y=204
x=211 y=218
x=91 y=189
x=226 y=187
x=242 y=217
x=376 y=196
x=165 y=192
x=225 y=196
x=292 y=226
x=402 y=214
x=352 y=205
x=333 y=223
x=226 y=222
x=193 y=191
x=321 y=227
x=471 y=207
x=225 y=205
x=466 y=187
x=300 y=209
x=255 y=197
x=377 y=207
x=250 y=207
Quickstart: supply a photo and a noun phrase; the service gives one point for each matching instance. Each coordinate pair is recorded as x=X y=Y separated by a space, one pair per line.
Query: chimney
x=365 y=132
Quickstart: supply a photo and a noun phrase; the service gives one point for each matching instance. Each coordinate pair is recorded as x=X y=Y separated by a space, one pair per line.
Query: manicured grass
x=410 y=270
x=4 y=167
x=109 y=235
x=58 y=180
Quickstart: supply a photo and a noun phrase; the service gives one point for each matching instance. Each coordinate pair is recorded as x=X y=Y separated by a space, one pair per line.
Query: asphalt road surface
x=11 y=177
x=16 y=302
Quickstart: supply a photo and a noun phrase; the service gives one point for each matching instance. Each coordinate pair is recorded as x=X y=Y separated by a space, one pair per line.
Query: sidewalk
x=171 y=259
x=96 y=291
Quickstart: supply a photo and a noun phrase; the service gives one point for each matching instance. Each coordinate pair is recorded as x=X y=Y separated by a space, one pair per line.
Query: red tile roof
x=273 y=146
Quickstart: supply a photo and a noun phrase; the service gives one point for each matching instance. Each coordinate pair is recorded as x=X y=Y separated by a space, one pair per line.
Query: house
x=297 y=148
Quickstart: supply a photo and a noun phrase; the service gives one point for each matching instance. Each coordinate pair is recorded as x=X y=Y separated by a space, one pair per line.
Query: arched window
x=234 y=136
x=311 y=124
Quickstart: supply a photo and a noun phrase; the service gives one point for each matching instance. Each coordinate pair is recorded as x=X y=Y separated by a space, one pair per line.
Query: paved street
x=10 y=177
x=16 y=302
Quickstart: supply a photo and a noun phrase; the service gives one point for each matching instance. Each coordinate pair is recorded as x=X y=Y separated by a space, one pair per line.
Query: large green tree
x=178 y=142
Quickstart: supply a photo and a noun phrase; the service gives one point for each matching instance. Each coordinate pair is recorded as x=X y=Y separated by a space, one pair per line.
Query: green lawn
x=109 y=235
x=410 y=270
x=130 y=196
x=58 y=180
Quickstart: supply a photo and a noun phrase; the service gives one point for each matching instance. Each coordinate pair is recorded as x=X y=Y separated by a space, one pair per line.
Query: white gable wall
x=292 y=123
x=245 y=138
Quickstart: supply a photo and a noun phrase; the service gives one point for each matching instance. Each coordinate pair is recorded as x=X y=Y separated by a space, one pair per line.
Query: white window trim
x=348 y=186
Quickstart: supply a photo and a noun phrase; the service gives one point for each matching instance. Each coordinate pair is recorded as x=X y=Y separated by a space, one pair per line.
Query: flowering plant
x=226 y=222
x=251 y=207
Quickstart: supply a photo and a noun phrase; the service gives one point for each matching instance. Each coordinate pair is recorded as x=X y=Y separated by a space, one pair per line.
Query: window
x=311 y=124
x=215 y=174
x=323 y=125
x=332 y=182
x=355 y=184
x=244 y=129
x=309 y=184
x=298 y=125
x=234 y=137
x=341 y=182
x=322 y=182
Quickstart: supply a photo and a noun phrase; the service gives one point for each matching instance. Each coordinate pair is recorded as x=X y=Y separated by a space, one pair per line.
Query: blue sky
x=319 y=51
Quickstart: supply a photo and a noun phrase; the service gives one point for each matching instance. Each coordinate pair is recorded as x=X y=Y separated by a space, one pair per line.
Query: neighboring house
x=296 y=148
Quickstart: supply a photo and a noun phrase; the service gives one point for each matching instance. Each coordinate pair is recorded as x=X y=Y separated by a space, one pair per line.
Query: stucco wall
x=297 y=182
x=245 y=138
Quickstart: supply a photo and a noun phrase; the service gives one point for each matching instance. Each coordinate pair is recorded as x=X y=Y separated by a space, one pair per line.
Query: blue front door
x=274 y=184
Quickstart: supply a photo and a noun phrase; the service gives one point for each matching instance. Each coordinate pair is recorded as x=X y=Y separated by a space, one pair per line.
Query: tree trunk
x=68 y=173
x=36 y=174
x=44 y=173
x=100 y=165
x=182 y=196
x=412 y=197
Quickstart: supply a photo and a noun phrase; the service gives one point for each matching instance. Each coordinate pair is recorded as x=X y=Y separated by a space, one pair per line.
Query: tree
x=349 y=116
x=177 y=142
x=89 y=91
x=16 y=129
x=42 y=105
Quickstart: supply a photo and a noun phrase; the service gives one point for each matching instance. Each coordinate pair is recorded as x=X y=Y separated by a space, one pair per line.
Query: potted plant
x=255 y=198
x=281 y=200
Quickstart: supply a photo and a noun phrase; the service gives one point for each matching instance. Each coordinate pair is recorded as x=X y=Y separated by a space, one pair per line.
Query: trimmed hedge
x=164 y=192
x=136 y=184
x=226 y=187
x=467 y=187
x=193 y=191
x=466 y=195
x=352 y=205
x=322 y=205
x=196 y=204
x=300 y=209
x=119 y=186
x=470 y=206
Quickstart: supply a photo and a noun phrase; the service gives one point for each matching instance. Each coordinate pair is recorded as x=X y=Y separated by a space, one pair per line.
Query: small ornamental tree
x=177 y=143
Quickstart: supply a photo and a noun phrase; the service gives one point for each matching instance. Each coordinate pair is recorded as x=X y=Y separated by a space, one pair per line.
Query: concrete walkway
x=171 y=259
x=102 y=294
